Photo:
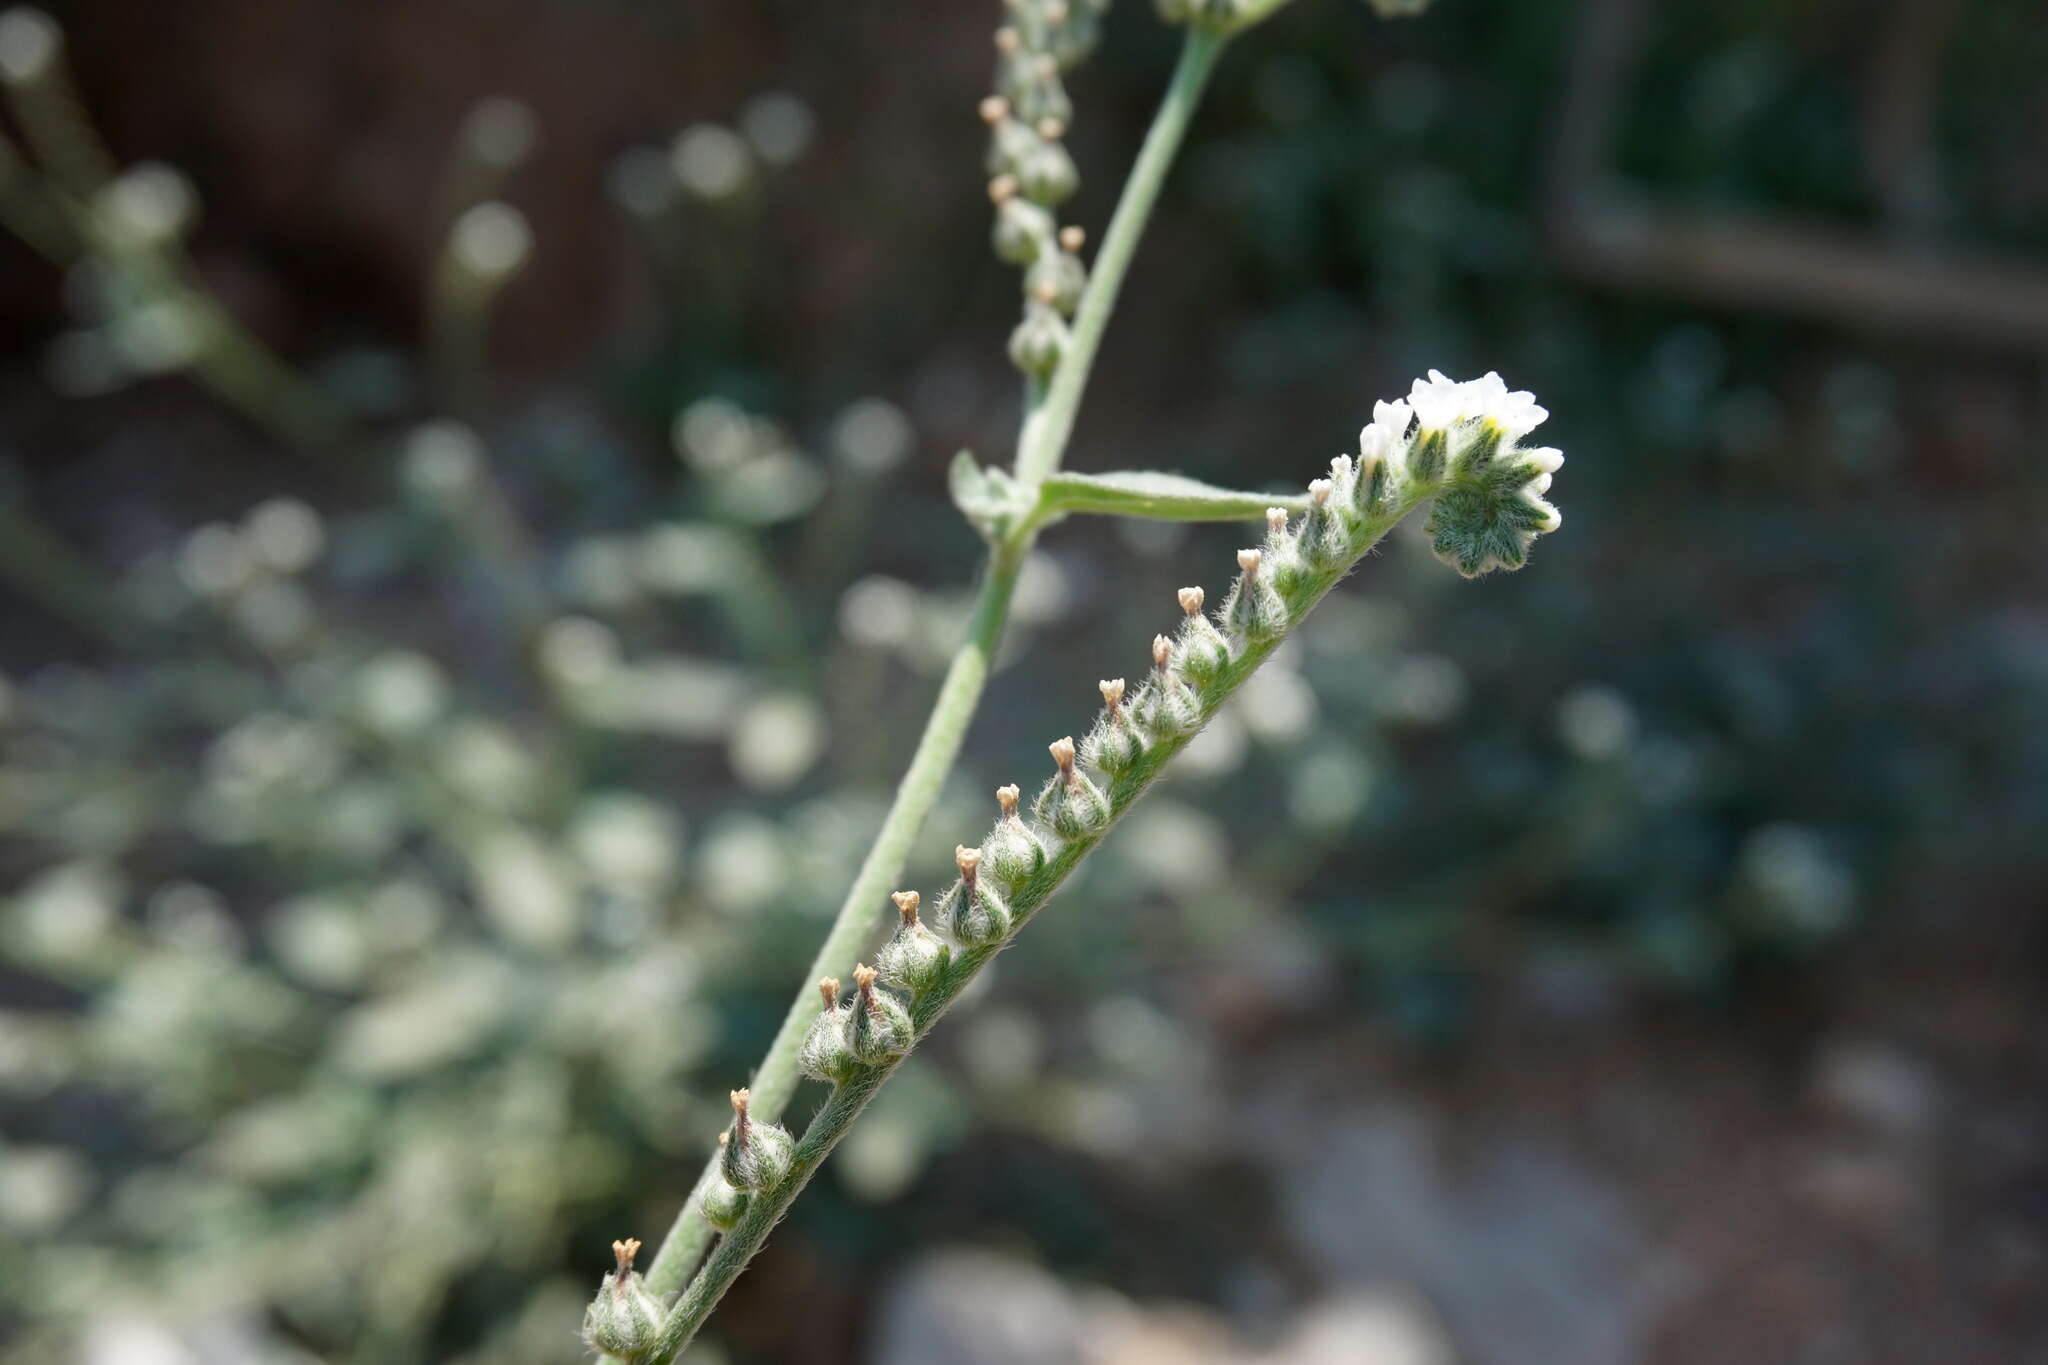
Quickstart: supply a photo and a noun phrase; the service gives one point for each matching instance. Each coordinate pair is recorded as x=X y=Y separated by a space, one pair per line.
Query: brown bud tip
x=724 y=1138
x=1276 y=520
x=1051 y=129
x=1056 y=11
x=906 y=905
x=1046 y=292
x=967 y=860
x=1319 y=492
x=993 y=109
x=1008 y=39
x=1073 y=237
x=828 y=988
x=625 y=1251
x=1112 y=692
x=1002 y=189
x=1062 y=751
x=1162 y=652
x=1248 y=560
x=864 y=979
x=1191 y=600
x=739 y=1102
x=1006 y=797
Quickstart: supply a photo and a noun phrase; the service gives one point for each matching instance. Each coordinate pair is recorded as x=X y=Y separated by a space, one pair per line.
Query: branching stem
x=1042 y=442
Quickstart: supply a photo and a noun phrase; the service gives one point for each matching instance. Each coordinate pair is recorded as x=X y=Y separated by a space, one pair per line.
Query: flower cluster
x=1459 y=443
x=1452 y=444
x=1031 y=171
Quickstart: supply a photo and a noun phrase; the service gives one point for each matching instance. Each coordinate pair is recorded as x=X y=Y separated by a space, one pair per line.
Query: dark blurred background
x=452 y=659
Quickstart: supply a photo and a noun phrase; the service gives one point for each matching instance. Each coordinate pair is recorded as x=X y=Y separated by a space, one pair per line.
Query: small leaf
x=988 y=498
x=1154 y=495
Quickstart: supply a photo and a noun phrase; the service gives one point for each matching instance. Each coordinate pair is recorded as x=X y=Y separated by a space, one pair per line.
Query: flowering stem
x=1047 y=429
x=776 y=1080
x=1041 y=445
x=850 y=1097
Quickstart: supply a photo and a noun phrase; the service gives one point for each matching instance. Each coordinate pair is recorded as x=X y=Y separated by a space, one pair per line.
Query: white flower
x=1384 y=440
x=1443 y=403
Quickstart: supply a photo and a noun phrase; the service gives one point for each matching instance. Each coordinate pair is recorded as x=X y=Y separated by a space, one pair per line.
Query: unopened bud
x=624 y=1320
x=973 y=911
x=722 y=1205
x=993 y=109
x=915 y=958
x=1056 y=279
x=1281 y=559
x=1073 y=238
x=881 y=1025
x=1115 y=744
x=1011 y=853
x=1323 y=541
x=826 y=1053
x=1202 y=652
x=1022 y=229
x=757 y=1155
x=1070 y=805
x=1039 y=341
x=1166 y=705
x=1254 y=609
x=1047 y=174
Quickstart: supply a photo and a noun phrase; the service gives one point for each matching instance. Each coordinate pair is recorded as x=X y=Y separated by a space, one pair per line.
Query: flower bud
x=1115 y=745
x=1011 y=854
x=1046 y=173
x=1202 y=653
x=881 y=1026
x=722 y=1205
x=1023 y=231
x=1011 y=142
x=1166 y=705
x=1039 y=340
x=624 y=1320
x=1372 y=491
x=1033 y=91
x=972 y=911
x=1324 y=541
x=827 y=1053
x=1280 y=558
x=1057 y=278
x=1071 y=805
x=915 y=959
x=1254 y=609
x=756 y=1155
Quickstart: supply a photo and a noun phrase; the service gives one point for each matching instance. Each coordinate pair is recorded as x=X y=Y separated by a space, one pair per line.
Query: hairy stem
x=1041 y=444
x=848 y=1099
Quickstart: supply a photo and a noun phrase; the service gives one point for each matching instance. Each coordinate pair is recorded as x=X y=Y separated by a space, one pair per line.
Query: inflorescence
x=1031 y=172
x=1456 y=445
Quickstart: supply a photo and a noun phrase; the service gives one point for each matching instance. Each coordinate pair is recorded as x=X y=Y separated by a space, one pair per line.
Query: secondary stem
x=1046 y=432
x=776 y=1080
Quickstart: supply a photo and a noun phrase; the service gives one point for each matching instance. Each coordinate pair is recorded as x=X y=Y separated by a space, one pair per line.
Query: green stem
x=1048 y=429
x=776 y=1080
x=848 y=1099
x=1041 y=444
